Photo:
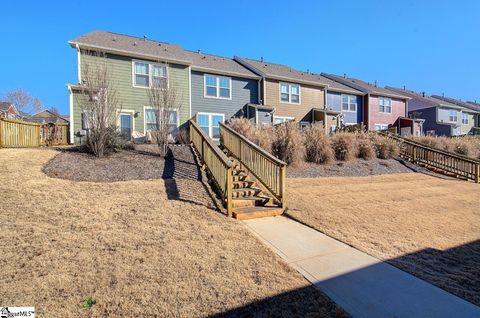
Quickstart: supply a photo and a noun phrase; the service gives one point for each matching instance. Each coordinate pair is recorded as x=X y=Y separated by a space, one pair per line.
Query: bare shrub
x=318 y=148
x=385 y=147
x=344 y=146
x=182 y=136
x=288 y=143
x=163 y=100
x=100 y=107
x=242 y=125
x=366 y=148
x=262 y=136
x=466 y=146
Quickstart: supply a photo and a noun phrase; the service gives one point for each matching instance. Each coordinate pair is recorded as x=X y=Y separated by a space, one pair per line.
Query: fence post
x=477 y=173
x=229 y=191
x=414 y=154
x=283 y=180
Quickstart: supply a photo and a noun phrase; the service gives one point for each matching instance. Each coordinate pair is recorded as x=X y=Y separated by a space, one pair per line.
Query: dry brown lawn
x=138 y=247
x=425 y=225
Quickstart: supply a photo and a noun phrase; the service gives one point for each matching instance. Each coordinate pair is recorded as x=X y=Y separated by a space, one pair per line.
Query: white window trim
x=289 y=93
x=382 y=125
x=450 y=116
x=129 y=112
x=349 y=104
x=285 y=119
x=391 y=106
x=210 y=115
x=150 y=73
x=465 y=119
x=217 y=82
x=145 y=117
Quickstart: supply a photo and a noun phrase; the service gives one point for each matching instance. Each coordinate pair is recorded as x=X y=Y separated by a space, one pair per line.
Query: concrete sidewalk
x=361 y=284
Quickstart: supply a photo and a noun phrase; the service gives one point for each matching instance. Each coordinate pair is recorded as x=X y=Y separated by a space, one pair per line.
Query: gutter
x=129 y=53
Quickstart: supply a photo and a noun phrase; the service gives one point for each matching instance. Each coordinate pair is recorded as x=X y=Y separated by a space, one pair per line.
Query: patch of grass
x=88 y=302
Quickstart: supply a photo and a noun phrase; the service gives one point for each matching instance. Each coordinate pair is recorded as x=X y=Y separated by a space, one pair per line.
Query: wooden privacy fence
x=17 y=133
x=218 y=166
x=270 y=171
x=444 y=161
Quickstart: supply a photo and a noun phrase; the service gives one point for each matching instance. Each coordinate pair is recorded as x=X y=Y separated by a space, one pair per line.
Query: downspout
x=79 y=64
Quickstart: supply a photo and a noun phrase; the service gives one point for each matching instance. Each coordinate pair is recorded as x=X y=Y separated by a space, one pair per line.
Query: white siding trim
x=79 y=65
x=189 y=92
x=70 y=93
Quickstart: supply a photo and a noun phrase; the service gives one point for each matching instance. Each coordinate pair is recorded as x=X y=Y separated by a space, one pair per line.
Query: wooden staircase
x=249 y=200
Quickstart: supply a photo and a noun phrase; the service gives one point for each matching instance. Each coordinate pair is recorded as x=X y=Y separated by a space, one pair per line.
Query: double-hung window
x=281 y=119
x=209 y=123
x=452 y=115
x=170 y=118
x=385 y=104
x=217 y=86
x=159 y=75
x=142 y=74
x=349 y=103
x=290 y=93
x=147 y=74
x=465 y=118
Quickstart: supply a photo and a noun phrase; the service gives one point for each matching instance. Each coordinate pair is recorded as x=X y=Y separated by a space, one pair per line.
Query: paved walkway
x=361 y=284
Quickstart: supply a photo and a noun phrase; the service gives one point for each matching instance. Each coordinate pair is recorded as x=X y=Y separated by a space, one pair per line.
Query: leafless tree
x=164 y=102
x=100 y=106
x=54 y=110
x=23 y=101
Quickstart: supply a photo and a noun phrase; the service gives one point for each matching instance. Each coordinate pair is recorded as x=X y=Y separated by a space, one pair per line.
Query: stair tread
x=253 y=209
x=246 y=189
x=253 y=198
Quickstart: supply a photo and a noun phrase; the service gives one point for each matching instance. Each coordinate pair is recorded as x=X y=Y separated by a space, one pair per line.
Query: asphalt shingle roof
x=280 y=71
x=427 y=100
x=130 y=45
x=458 y=102
x=364 y=86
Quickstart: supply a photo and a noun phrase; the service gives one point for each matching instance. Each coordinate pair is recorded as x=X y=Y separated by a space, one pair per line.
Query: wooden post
x=283 y=180
x=229 y=191
x=477 y=173
x=414 y=154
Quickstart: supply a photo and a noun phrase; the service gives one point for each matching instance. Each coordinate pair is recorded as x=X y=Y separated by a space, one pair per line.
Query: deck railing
x=445 y=161
x=270 y=171
x=218 y=166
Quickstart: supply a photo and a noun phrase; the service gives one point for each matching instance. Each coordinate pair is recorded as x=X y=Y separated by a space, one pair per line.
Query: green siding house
x=132 y=65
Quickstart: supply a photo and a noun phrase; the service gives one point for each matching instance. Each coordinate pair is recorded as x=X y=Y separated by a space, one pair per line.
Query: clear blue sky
x=431 y=46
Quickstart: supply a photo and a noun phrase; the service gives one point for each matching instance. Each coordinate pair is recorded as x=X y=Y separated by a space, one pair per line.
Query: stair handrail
x=218 y=165
x=269 y=170
x=438 y=158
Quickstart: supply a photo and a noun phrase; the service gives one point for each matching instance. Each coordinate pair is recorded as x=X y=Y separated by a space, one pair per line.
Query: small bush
x=287 y=143
x=182 y=136
x=385 y=148
x=88 y=302
x=366 y=148
x=344 y=146
x=462 y=147
x=263 y=137
x=318 y=148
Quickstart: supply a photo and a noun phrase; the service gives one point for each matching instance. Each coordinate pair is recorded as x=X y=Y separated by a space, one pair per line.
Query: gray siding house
x=220 y=88
x=441 y=117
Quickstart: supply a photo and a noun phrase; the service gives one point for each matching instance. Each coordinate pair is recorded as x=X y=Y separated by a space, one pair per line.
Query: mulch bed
x=356 y=168
x=143 y=163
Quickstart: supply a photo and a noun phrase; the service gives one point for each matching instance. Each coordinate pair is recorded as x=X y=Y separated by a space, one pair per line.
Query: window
x=159 y=76
x=281 y=119
x=381 y=127
x=452 y=115
x=217 y=86
x=465 y=118
x=290 y=93
x=142 y=71
x=151 y=119
x=349 y=103
x=209 y=123
x=304 y=124
x=149 y=74
x=385 y=105
x=86 y=120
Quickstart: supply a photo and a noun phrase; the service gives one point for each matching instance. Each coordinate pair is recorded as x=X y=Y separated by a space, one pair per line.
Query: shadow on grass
x=379 y=290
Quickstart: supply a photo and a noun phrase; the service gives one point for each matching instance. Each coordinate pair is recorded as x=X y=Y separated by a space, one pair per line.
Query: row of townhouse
x=214 y=89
